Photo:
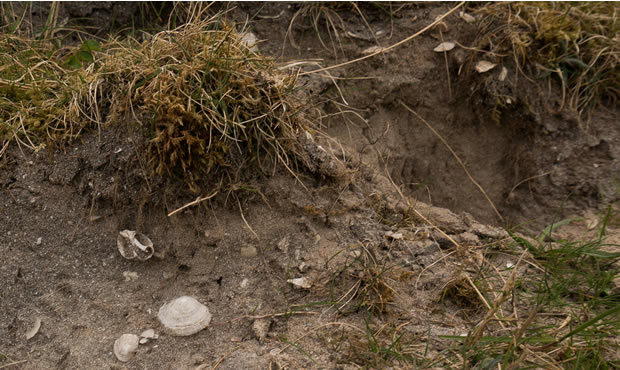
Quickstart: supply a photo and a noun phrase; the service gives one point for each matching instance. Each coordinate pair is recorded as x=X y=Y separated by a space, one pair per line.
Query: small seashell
x=184 y=316
x=303 y=267
x=134 y=245
x=125 y=347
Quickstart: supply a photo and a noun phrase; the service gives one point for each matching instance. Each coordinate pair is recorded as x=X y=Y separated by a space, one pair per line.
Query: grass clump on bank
x=575 y=43
x=556 y=308
x=42 y=101
x=204 y=99
x=208 y=100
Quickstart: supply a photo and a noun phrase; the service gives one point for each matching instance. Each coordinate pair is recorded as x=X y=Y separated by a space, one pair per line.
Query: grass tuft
x=41 y=100
x=210 y=101
x=575 y=43
x=204 y=100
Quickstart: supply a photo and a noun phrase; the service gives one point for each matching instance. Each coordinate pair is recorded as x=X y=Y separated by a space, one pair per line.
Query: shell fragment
x=467 y=17
x=34 y=329
x=484 y=66
x=444 y=46
x=132 y=244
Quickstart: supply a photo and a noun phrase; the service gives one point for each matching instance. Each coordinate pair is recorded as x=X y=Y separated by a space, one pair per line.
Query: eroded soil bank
x=386 y=250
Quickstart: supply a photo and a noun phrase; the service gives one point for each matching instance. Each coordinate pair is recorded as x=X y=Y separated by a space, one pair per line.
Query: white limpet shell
x=132 y=245
x=125 y=347
x=184 y=316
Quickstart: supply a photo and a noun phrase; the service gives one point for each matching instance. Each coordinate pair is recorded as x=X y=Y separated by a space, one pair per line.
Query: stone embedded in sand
x=130 y=275
x=250 y=40
x=184 y=316
x=125 y=347
x=260 y=327
x=393 y=235
x=467 y=17
x=302 y=282
x=249 y=252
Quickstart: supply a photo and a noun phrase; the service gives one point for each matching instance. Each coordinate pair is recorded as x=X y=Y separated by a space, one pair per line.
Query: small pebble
x=283 y=245
x=393 y=235
x=149 y=334
x=249 y=252
x=39 y=240
x=244 y=283
x=303 y=267
x=302 y=282
x=130 y=275
x=261 y=328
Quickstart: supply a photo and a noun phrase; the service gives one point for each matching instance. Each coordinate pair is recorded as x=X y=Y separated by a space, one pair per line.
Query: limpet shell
x=125 y=347
x=132 y=244
x=184 y=316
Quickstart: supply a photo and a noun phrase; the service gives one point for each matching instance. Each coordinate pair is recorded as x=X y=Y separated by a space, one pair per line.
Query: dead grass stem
x=386 y=49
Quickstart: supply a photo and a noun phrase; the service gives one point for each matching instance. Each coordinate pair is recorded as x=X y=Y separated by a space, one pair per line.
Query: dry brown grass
x=204 y=100
x=573 y=43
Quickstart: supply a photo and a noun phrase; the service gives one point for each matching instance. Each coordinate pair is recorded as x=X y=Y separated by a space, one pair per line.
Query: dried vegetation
x=202 y=97
x=574 y=45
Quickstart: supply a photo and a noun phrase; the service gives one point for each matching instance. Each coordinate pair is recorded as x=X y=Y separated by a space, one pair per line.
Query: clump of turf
x=41 y=99
x=209 y=100
x=576 y=43
x=204 y=99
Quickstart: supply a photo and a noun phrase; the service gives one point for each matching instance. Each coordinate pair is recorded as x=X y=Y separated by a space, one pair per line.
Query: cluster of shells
x=180 y=317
